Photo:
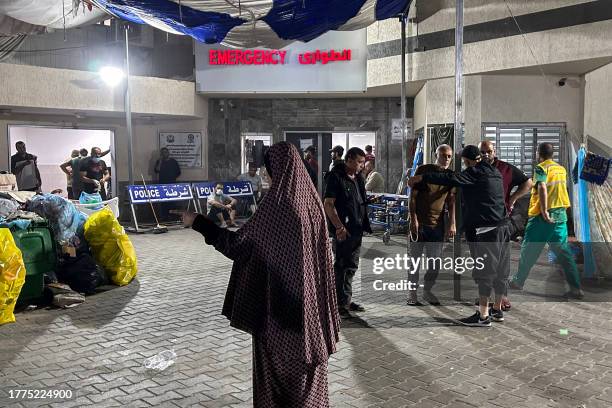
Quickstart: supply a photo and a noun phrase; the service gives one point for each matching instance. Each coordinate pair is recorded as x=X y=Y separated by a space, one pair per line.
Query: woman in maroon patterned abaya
x=281 y=288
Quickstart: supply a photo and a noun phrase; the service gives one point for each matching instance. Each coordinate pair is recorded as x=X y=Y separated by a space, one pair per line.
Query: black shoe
x=496 y=315
x=344 y=313
x=475 y=321
x=412 y=299
x=355 y=307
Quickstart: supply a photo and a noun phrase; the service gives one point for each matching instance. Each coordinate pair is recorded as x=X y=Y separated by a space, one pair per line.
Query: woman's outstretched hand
x=188 y=218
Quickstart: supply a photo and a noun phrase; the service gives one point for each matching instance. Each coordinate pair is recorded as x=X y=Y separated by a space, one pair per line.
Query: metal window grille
x=517 y=143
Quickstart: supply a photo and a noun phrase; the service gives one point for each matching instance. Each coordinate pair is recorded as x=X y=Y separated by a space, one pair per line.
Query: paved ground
x=392 y=356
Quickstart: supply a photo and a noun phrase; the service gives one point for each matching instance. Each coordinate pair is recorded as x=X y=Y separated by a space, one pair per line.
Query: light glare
x=111 y=76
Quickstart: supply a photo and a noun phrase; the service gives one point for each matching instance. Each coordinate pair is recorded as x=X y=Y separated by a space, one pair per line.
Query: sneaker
x=355 y=307
x=223 y=225
x=412 y=299
x=344 y=313
x=514 y=285
x=475 y=321
x=506 y=305
x=496 y=315
x=575 y=293
x=430 y=298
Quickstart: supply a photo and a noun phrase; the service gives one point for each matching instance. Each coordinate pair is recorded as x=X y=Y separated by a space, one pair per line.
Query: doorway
x=53 y=146
x=324 y=141
x=321 y=143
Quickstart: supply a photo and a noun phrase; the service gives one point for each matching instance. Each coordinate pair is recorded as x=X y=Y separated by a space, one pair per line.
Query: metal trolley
x=390 y=211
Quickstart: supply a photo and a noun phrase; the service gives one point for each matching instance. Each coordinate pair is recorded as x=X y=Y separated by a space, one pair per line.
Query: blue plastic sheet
x=210 y=21
x=64 y=218
x=583 y=230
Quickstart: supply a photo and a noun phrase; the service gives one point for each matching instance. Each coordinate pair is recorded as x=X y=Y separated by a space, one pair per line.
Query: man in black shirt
x=345 y=205
x=486 y=229
x=94 y=173
x=167 y=170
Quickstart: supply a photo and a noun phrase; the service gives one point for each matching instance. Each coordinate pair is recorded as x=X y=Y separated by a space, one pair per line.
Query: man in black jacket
x=486 y=227
x=345 y=203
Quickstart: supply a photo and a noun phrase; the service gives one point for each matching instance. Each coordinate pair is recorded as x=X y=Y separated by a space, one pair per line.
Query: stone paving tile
x=389 y=356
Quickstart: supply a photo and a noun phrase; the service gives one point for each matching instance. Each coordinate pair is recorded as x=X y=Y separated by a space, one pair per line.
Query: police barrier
x=230 y=188
x=157 y=193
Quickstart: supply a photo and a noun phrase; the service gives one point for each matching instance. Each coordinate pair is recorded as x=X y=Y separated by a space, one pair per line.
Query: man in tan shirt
x=428 y=204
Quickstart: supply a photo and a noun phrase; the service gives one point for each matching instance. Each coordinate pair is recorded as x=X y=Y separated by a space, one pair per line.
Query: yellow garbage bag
x=12 y=275
x=111 y=247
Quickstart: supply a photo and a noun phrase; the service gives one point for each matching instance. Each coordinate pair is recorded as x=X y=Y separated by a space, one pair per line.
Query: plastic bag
x=64 y=218
x=7 y=207
x=111 y=247
x=12 y=275
x=92 y=198
x=81 y=273
x=160 y=361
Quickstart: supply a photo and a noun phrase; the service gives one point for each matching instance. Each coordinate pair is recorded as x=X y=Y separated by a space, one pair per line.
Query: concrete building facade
x=516 y=53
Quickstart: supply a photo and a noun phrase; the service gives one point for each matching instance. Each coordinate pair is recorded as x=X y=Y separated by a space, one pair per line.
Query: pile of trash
x=80 y=252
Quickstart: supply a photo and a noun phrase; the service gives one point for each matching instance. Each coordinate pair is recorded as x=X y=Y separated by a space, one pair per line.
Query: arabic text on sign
x=324 y=56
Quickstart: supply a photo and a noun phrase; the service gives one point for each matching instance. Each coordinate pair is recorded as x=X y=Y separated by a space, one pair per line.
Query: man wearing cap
x=548 y=222
x=512 y=177
x=486 y=229
x=336 y=156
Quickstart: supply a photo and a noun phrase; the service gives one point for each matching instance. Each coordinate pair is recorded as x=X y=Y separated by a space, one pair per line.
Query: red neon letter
x=223 y=57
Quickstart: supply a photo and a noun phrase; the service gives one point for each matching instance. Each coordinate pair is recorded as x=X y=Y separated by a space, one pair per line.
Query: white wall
x=145 y=140
x=576 y=43
x=516 y=98
x=475 y=11
x=53 y=147
x=79 y=91
x=508 y=98
x=435 y=104
x=420 y=109
x=598 y=105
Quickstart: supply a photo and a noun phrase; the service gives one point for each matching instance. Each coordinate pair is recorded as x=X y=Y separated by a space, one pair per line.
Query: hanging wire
x=64 y=17
x=180 y=11
x=535 y=58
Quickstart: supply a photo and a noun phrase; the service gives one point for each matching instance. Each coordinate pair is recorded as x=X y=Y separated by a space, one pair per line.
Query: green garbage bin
x=39 y=256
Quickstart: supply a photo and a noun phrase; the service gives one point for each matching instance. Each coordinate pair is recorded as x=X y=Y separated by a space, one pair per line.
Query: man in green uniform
x=548 y=222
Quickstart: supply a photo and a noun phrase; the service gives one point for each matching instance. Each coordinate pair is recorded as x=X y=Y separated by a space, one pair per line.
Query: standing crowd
x=294 y=261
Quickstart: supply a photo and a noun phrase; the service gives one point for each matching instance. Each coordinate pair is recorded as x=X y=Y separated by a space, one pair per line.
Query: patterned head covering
x=282 y=286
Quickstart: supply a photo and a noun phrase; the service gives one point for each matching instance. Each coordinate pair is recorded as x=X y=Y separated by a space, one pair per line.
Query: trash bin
x=39 y=256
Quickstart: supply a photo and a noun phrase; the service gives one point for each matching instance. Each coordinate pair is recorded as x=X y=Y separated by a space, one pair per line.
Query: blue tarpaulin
x=246 y=23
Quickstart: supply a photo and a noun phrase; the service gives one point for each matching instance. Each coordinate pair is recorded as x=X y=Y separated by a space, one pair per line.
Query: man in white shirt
x=254 y=178
x=25 y=169
x=221 y=207
x=374 y=182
